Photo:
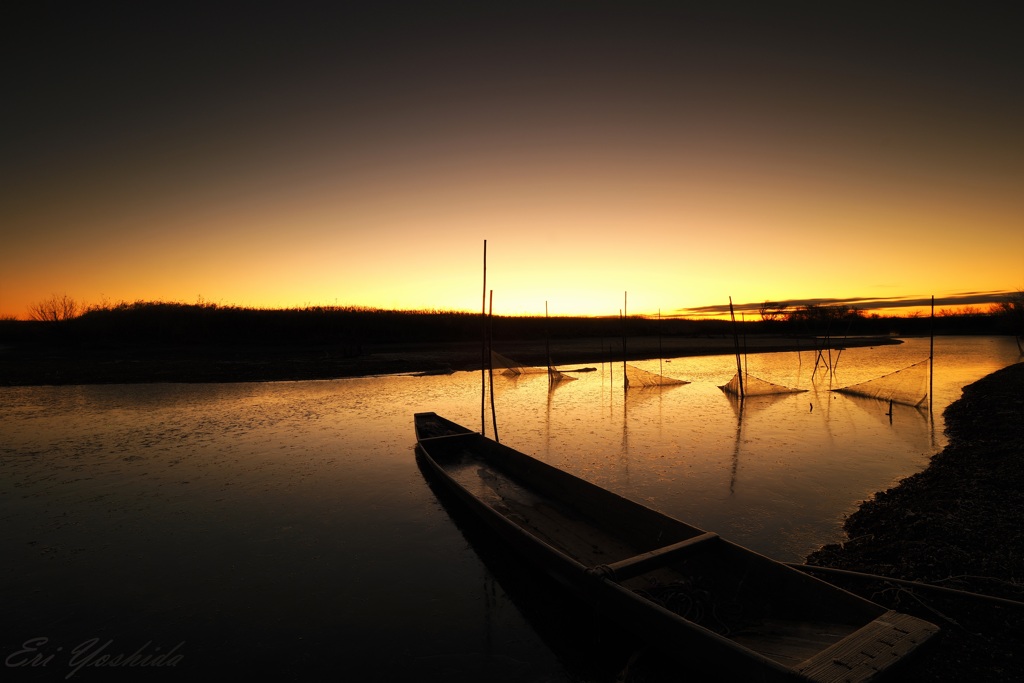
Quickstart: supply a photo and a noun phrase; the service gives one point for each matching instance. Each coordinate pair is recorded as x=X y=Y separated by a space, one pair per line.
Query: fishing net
x=755 y=386
x=511 y=368
x=635 y=377
x=908 y=386
x=696 y=599
x=554 y=376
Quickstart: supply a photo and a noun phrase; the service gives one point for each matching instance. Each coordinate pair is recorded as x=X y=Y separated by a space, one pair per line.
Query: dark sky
x=80 y=72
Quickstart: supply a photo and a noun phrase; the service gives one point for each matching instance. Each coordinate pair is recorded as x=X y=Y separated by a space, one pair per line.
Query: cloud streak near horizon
x=860 y=303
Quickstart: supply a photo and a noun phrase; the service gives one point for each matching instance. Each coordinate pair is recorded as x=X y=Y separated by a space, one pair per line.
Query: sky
x=285 y=155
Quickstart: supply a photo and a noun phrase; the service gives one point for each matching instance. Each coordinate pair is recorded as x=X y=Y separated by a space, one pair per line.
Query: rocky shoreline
x=958 y=524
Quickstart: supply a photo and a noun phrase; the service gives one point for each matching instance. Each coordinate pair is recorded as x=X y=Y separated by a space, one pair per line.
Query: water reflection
x=175 y=504
x=739 y=405
x=588 y=647
x=830 y=451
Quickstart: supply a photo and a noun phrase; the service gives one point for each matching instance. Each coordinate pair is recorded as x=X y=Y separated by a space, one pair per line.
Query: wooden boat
x=720 y=607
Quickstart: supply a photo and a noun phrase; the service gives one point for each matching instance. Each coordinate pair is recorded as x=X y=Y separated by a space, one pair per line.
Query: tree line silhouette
x=60 y=319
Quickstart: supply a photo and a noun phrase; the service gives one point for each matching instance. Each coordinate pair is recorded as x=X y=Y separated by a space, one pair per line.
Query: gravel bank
x=958 y=524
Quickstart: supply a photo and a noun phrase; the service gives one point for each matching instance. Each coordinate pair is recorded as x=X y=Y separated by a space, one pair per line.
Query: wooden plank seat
x=644 y=562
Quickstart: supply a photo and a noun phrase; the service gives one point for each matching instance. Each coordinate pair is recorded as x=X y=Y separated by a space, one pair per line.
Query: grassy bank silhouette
x=159 y=341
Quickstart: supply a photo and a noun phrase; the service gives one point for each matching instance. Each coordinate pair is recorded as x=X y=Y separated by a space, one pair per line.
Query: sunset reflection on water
x=176 y=504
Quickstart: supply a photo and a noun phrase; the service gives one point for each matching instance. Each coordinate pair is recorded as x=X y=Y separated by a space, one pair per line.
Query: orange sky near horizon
x=361 y=159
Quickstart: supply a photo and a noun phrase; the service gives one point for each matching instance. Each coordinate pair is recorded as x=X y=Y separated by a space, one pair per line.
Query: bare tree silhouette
x=1012 y=310
x=55 y=308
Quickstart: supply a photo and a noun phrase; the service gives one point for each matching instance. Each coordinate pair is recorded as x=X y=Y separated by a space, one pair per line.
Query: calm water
x=286 y=528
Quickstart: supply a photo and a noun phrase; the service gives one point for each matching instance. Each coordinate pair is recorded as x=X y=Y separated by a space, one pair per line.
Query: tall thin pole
x=625 y=315
x=490 y=361
x=483 y=352
x=547 y=339
x=746 y=363
x=736 y=342
x=931 y=357
x=661 y=370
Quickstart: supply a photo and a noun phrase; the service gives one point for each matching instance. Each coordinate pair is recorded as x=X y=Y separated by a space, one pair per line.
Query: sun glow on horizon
x=682 y=159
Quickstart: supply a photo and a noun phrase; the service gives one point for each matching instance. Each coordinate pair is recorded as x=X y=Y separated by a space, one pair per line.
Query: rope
x=916 y=584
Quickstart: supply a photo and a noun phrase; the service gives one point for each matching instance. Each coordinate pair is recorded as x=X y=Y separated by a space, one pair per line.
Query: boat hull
x=714 y=604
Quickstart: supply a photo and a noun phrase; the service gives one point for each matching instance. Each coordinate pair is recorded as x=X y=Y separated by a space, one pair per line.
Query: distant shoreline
x=30 y=365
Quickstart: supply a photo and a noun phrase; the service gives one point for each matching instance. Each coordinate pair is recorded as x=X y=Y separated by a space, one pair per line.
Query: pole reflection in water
x=285 y=526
